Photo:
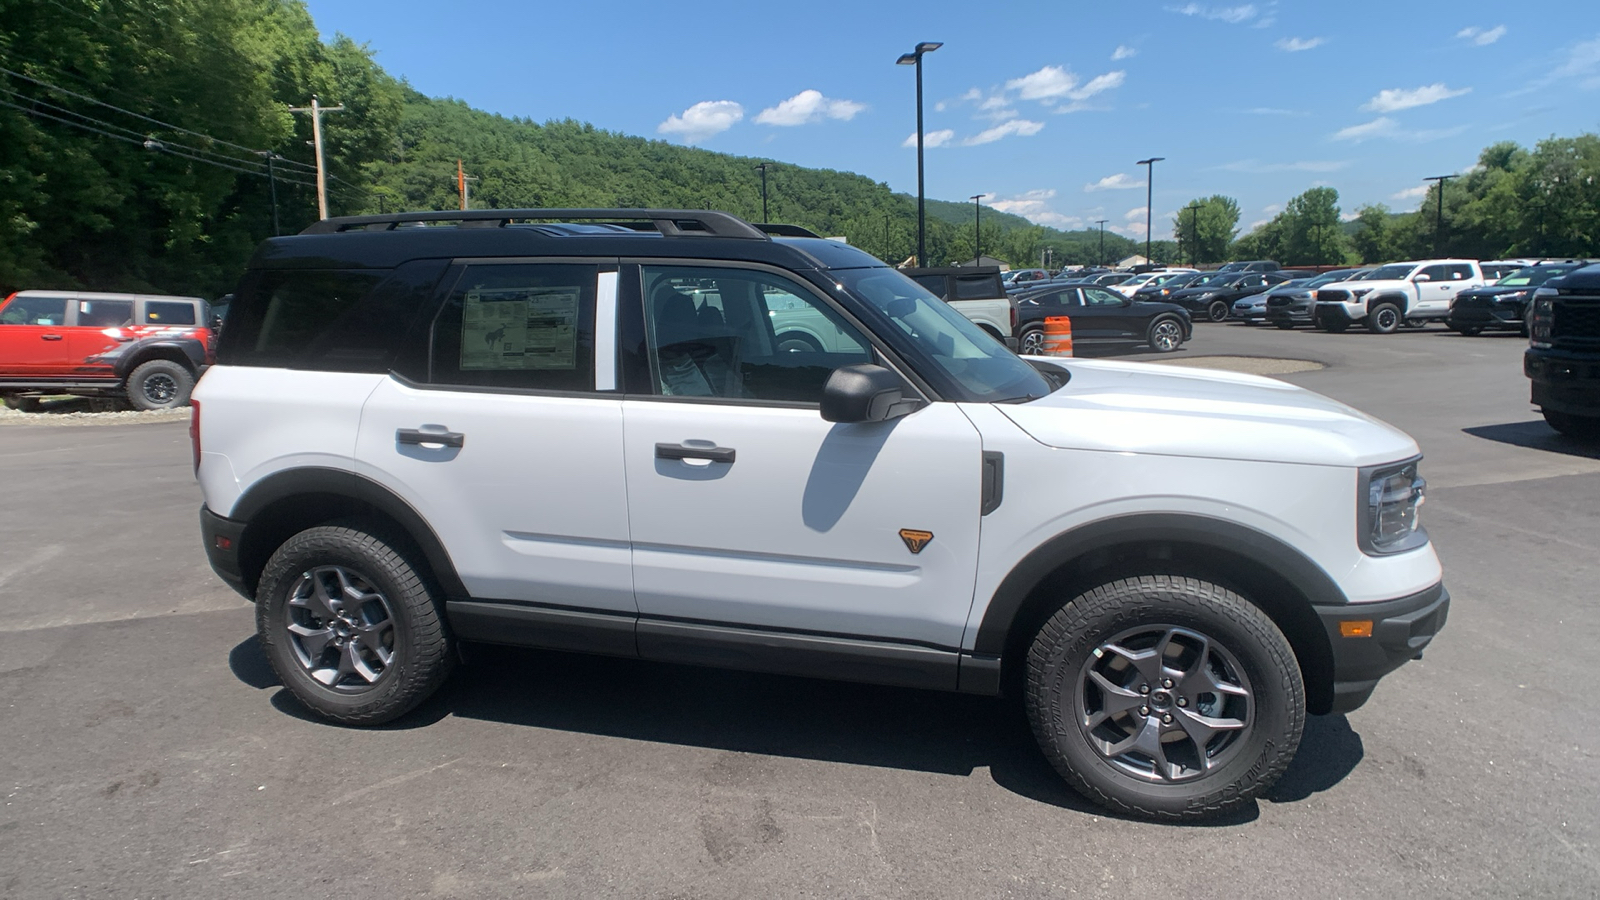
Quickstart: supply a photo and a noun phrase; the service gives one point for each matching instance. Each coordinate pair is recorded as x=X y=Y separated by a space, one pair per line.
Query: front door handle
x=417 y=436
x=50 y=337
x=679 y=451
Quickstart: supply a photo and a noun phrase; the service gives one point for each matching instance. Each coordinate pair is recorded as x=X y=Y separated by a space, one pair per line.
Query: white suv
x=589 y=437
x=1408 y=293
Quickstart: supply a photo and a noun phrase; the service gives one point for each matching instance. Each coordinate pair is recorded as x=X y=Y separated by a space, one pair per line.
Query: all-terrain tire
x=1071 y=647
x=160 y=384
x=1584 y=428
x=420 y=646
x=1384 y=318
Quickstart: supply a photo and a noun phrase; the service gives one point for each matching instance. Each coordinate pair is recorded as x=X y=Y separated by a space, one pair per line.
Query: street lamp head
x=929 y=46
x=906 y=59
x=1153 y=159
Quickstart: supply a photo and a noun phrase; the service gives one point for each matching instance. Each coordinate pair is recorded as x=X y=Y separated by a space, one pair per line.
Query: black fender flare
x=1398 y=298
x=1284 y=561
x=345 y=484
x=132 y=355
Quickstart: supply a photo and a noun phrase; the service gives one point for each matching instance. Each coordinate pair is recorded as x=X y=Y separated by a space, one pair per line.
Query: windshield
x=1392 y=272
x=976 y=367
x=1331 y=277
x=1533 y=276
x=1217 y=277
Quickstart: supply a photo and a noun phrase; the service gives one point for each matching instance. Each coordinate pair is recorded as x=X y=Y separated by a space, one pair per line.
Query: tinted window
x=740 y=334
x=525 y=326
x=1393 y=272
x=1437 y=273
x=934 y=284
x=105 y=313
x=168 y=312
x=35 y=311
x=978 y=287
x=336 y=320
x=1098 y=297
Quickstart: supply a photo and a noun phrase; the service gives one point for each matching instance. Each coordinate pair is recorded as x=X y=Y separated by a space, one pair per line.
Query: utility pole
x=316 y=109
x=272 y=179
x=1102 y=224
x=977 y=228
x=888 y=251
x=1194 y=232
x=1539 y=251
x=1438 y=224
x=464 y=185
x=763 y=168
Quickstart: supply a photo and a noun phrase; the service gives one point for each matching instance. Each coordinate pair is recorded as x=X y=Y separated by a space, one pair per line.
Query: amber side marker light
x=1358 y=628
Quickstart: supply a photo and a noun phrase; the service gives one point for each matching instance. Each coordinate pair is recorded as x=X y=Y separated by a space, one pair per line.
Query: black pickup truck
x=1563 y=356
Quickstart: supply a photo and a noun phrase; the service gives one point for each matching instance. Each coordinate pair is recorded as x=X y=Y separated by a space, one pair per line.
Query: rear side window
x=978 y=287
x=168 y=312
x=105 y=313
x=334 y=320
x=518 y=326
x=934 y=284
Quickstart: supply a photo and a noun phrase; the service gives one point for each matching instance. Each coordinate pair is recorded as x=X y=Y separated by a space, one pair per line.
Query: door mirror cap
x=1423 y=276
x=865 y=393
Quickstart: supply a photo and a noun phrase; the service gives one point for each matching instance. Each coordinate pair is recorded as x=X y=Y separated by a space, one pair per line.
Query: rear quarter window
x=978 y=287
x=168 y=312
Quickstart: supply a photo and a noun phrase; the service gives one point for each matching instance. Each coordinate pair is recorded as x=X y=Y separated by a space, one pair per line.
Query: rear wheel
x=1582 y=427
x=798 y=342
x=1165 y=696
x=1032 y=341
x=1284 y=324
x=1166 y=335
x=1217 y=310
x=160 y=384
x=23 y=404
x=1469 y=330
x=1383 y=319
x=350 y=626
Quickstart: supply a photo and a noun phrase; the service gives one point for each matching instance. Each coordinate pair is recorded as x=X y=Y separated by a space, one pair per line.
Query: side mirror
x=1422 y=277
x=865 y=393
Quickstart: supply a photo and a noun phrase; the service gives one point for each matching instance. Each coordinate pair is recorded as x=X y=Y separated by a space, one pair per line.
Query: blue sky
x=1043 y=106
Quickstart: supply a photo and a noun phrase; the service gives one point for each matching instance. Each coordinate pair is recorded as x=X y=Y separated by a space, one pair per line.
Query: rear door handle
x=417 y=436
x=679 y=451
x=50 y=337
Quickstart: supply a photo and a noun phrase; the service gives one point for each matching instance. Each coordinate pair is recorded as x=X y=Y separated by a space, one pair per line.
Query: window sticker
x=520 y=328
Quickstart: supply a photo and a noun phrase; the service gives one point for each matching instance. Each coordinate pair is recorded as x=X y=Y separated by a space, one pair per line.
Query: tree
x=1205 y=228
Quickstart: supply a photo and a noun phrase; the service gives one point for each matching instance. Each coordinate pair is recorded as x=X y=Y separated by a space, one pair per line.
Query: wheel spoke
x=1147 y=662
x=1147 y=740
x=316 y=601
x=1201 y=729
x=1113 y=700
x=312 y=640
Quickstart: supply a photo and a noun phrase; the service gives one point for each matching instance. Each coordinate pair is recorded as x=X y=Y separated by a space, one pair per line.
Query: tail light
x=1013 y=318
x=194 y=432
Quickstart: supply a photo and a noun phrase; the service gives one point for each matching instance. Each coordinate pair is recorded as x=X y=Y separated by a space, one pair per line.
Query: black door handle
x=679 y=451
x=415 y=436
x=50 y=337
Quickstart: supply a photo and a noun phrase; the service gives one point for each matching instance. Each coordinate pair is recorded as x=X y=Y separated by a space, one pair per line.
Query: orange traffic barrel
x=1057 y=336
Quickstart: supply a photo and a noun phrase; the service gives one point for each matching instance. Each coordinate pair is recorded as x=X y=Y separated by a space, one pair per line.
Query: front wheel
x=23 y=404
x=1383 y=319
x=160 y=384
x=1032 y=341
x=1165 y=696
x=1217 y=310
x=1284 y=325
x=1585 y=428
x=1166 y=335
x=1469 y=330
x=350 y=626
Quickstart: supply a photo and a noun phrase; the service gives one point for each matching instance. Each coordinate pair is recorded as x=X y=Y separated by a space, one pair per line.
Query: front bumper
x=1477 y=313
x=1401 y=629
x=221 y=538
x=1564 y=381
x=1338 y=314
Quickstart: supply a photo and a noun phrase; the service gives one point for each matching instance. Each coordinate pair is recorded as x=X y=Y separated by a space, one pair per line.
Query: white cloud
x=1349 y=216
x=809 y=106
x=1256 y=167
x=1296 y=45
x=1022 y=127
x=1273 y=209
x=1395 y=99
x=1385 y=127
x=1411 y=193
x=930 y=139
x=703 y=120
x=1035 y=207
x=1099 y=84
x=1256 y=224
x=1115 y=182
x=1123 y=51
x=1136 y=213
x=1582 y=59
x=1480 y=36
x=1046 y=84
x=1233 y=15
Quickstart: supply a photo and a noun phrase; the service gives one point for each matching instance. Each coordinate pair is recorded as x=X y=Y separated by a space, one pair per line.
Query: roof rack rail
x=782 y=230
x=669 y=222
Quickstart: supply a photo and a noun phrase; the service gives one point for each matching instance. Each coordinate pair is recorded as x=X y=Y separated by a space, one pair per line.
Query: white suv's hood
x=1143 y=408
x=1366 y=286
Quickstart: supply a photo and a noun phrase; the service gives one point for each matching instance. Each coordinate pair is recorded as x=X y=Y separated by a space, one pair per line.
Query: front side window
x=740 y=334
x=520 y=327
x=105 y=313
x=1098 y=297
x=35 y=311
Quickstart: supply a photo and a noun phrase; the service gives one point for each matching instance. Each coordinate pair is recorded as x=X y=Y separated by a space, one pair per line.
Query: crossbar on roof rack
x=669 y=222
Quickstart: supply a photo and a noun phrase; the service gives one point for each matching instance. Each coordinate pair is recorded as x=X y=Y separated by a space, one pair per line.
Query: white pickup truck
x=977 y=293
x=1408 y=293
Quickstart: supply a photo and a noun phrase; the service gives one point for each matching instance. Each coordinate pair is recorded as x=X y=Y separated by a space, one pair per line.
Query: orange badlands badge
x=915 y=540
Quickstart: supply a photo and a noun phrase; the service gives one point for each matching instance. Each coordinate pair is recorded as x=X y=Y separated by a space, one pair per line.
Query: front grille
x=1333 y=296
x=1576 y=319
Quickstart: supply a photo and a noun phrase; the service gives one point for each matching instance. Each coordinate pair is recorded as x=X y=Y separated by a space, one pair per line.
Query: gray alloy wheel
x=1032 y=342
x=1383 y=319
x=159 y=384
x=1217 y=310
x=1166 y=335
x=340 y=628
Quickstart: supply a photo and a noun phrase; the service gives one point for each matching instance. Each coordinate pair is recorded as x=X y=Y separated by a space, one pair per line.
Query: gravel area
x=1249 y=365
x=75 y=411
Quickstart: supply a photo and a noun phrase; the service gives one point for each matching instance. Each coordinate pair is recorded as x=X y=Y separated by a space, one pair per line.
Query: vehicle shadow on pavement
x=1536 y=435
x=775 y=715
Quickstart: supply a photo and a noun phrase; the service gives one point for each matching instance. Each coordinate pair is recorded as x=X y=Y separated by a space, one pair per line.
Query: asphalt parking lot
x=148 y=750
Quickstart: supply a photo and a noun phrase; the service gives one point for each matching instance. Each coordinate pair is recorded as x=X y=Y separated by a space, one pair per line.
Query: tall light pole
x=1194 y=232
x=763 y=168
x=977 y=229
x=1438 y=224
x=1102 y=224
x=914 y=58
x=1149 y=178
x=316 y=109
x=272 y=179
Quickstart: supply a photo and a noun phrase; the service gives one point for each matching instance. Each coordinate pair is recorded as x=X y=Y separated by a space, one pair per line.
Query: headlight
x=1541 y=315
x=1511 y=297
x=1391 y=500
x=1358 y=293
